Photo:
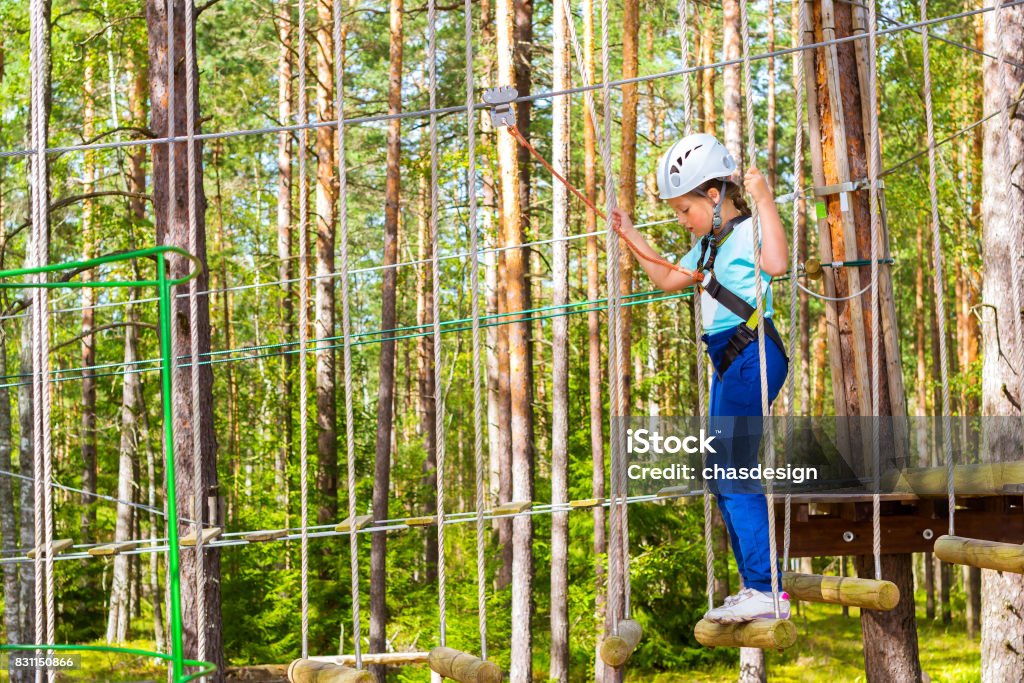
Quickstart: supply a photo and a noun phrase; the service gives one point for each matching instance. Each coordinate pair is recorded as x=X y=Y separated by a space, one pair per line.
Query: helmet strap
x=716 y=219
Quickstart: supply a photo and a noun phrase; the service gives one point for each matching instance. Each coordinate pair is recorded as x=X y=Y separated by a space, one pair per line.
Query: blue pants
x=735 y=418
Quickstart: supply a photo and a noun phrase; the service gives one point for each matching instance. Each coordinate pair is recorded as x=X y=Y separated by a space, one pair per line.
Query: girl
x=693 y=177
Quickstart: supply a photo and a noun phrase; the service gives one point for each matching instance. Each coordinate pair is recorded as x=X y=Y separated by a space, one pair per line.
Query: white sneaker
x=733 y=598
x=748 y=605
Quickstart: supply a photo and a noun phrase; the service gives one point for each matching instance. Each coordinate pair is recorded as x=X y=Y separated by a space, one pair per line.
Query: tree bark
x=1002 y=594
x=732 y=101
x=285 y=254
x=627 y=181
x=837 y=91
x=708 y=76
x=131 y=405
x=519 y=371
x=326 y=218
x=386 y=370
x=87 y=434
x=176 y=232
x=594 y=363
x=560 y=358
x=425 y=370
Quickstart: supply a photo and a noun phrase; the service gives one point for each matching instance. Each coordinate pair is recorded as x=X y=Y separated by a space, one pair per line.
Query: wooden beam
x=616 y=649
x=512 y=508
x=1004 y=557
x=209 y=534
x=264 y=536
x=463 y=667
x=765 y=634
x=309 y=671
x=113 y=549
x=360 y=522
x=385 y=658
x=59 y=545
x=842 y=590
x=907 y=527
x=429 y=520
x=586 y=503
x=984 y=479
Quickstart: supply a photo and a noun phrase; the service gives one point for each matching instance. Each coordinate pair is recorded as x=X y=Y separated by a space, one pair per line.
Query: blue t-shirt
x=734 y=269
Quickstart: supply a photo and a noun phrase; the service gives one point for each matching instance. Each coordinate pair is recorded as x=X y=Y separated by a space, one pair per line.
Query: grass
x=828 y=650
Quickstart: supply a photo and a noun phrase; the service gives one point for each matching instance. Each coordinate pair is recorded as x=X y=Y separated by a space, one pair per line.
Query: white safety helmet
x=691 y=162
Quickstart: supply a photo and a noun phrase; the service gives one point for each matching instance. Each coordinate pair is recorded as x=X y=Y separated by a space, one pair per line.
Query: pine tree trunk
x=285 y=254
x=8 y=518
x=708 y=76
x=26 y=466
x=594 y=362
x=516 y=295
x=560 y=359
x=131 y=405
x=87 y=434
x=732 y=101
x=177 y=233
x=425 y=372
x=1002 y=593
x=326 y=218
x=627 y=181
x=386 y=370
x=837 y=91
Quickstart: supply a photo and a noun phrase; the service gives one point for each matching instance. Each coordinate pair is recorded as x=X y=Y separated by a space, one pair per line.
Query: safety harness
x=745 y=333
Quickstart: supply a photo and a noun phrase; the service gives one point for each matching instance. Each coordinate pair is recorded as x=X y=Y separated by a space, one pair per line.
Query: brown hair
x=733 y=192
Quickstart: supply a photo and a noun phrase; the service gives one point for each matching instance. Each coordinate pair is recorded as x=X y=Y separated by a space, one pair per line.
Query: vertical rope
x=442 y=597
x=474 y=278
x=39 y=324
x=769 y=445
x=682 y=8
x=616 y=349
x=36 y=67
x=612 y=266
x=798 y=162
x=874 y=162
x=698 y=326
x=301 y=119
x=346 y=324
x=193 y=321
x=940 y=298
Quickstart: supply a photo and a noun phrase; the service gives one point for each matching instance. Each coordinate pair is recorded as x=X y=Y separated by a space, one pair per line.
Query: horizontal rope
x=234 y=538
x=351 y=271
x=460 y=109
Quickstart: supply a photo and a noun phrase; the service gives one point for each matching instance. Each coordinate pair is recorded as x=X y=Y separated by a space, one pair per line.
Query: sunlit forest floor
x=828 y=650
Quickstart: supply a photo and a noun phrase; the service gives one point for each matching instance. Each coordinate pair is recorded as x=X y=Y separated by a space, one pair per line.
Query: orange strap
x=699 y=277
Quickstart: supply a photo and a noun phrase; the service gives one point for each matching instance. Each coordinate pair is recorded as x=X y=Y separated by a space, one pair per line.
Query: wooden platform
x=832 y=526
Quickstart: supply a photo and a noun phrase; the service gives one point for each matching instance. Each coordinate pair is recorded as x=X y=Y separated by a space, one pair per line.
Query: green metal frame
x=163 y=285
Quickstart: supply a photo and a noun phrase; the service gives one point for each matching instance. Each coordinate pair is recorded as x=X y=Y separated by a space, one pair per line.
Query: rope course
x=500 y=102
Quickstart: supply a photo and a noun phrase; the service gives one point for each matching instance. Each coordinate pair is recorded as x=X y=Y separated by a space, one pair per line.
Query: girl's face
x=695 y=212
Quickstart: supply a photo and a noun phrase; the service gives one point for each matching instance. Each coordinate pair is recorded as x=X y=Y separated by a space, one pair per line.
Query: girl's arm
x=774 y=252
x=664 y=278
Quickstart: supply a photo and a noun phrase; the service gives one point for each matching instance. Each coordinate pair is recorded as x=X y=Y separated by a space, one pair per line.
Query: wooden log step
x=617 y=649
x=987 y=478
x=429 y=520
x=209 y=534
x=842 y=590
x=59 y=545
x=264 y=536
x=586 y=503
x=113 y=549
x=309 y=671
x=361 y=522
x=765 y=634
x=385 y=658
x=463 y=667
x=1004 y=557
x=512 y=508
